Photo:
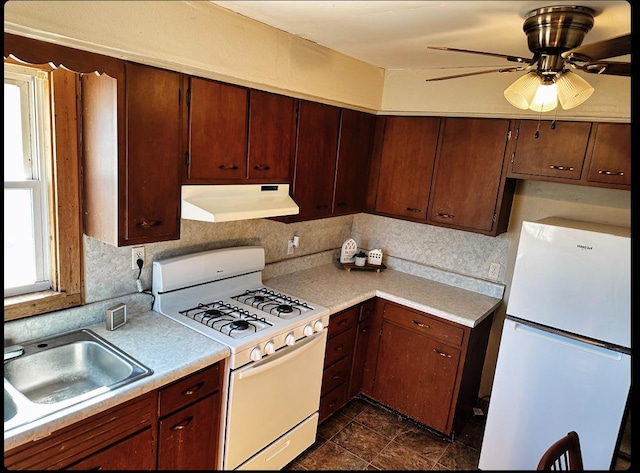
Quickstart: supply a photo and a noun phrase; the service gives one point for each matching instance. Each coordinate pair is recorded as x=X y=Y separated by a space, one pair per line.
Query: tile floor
x=366 y=436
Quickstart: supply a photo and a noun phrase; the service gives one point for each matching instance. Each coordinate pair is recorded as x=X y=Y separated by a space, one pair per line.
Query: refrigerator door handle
x=566 y=341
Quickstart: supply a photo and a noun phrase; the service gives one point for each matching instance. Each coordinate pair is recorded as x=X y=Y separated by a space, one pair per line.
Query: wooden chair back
x=563 y=455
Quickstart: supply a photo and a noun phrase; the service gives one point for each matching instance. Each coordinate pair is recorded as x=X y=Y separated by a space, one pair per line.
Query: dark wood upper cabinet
x=609 y=155
x=217 y=132
x=272 y=136
x=405 y=165
x=468 y=180
x=549 y=149
x=352 y=166
x=132 y=190
x=315 y=159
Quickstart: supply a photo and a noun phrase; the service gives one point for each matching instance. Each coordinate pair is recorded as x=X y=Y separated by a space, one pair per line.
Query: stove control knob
x=317 y=326
x=256 y=354
x=270 y=347
x=290 y=339
x=308 y=330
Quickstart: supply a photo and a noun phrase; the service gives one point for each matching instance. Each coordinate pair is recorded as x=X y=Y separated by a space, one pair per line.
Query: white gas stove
x=277 y=344
x=219 y=293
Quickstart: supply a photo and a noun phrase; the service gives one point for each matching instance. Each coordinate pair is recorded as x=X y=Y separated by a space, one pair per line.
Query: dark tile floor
x=365 y=436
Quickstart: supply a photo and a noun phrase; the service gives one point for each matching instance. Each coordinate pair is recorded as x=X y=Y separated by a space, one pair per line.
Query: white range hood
x=224 y=203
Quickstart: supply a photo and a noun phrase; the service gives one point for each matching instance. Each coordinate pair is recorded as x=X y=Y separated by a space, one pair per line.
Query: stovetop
x=219 y=293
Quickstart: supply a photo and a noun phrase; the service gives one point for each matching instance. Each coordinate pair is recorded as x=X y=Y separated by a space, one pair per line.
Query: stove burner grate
x=225 y=318
x=273 y=302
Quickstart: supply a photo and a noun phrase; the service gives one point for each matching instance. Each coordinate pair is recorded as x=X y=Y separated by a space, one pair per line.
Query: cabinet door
x=416 y=375
x=555 y=153
x=217 y=132
x=188 y=439
x=150 y=200
x=406 y=166
x=315 y=161
x=610 y=154
x=468 y=175
x=359 y=357
x=354 y=154
x=272 y=139
x=134 y=453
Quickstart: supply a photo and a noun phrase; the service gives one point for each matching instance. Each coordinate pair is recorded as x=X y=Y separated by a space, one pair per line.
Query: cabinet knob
x=193 y=389
x=183 y=424
x=149 y=223
x=445 y=355
x=228 y=167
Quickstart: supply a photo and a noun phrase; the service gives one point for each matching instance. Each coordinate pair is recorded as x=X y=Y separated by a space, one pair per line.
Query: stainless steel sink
x=58 y=372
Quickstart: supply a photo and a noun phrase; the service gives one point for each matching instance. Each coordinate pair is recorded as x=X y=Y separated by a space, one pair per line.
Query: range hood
x=224 y=203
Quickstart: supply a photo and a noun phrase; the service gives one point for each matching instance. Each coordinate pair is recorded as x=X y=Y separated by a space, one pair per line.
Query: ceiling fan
x=554 y=36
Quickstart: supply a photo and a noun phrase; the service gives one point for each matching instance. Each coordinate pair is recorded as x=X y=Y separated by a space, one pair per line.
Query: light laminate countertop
x=173 y=351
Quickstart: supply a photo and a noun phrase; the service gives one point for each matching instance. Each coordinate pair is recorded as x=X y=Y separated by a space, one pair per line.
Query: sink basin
x=10 y=408
x=57 y=372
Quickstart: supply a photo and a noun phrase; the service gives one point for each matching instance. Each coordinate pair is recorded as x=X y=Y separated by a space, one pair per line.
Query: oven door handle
x=309 y=343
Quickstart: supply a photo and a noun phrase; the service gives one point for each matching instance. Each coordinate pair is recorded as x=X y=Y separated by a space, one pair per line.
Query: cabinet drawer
x=340 y=346
x=332 y=401
x=424 y=324
x=343 y=321
x=77 y=441
x=189 y=389
x=336 y=374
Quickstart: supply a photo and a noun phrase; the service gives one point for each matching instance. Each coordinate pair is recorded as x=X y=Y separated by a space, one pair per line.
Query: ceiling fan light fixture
x=546 y=98
x=521 y=93
x=572 y=89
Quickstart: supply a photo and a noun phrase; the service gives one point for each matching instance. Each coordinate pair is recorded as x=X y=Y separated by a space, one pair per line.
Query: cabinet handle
x=611 y=173
x=420 y=324
x=146 y=223
x=343 y=321
x=364 y=330
x=341 y=204
x=411 y=209
x=561 y=168
x=261 y=167
x=183 y=424
x=193 y=389
x=445 y=355
x=322 y=206
x=441 y=215
x=228 y=167
x=339 y=347
x=338 y=375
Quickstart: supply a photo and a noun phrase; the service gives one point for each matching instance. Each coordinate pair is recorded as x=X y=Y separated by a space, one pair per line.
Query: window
x=43 y=238
x=26 y=152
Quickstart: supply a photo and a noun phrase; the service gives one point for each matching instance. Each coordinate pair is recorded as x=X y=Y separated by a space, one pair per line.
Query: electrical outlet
x=494 y=271
x=136 y=254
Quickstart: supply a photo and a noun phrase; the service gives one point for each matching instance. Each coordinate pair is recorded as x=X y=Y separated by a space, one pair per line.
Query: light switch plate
x=116 y=316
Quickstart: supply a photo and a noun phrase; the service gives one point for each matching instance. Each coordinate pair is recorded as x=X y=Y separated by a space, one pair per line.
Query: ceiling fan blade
x=618 y=46
x=523 y=60
x=504 y=69
x=612 y=68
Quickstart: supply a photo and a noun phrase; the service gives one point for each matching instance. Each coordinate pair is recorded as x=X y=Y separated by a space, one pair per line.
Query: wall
x=201 y=39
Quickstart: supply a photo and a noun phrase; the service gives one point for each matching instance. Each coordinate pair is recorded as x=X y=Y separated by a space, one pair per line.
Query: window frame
x=34 y=87
x=64 y=210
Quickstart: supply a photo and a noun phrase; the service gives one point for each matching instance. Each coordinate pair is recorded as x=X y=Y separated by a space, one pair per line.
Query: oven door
x=269 y=398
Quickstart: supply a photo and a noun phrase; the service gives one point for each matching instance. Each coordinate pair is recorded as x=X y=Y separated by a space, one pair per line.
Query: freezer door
x=574 y=279
x=546 y=385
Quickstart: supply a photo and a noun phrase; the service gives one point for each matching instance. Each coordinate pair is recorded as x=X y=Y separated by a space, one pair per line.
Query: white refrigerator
x=564 y=361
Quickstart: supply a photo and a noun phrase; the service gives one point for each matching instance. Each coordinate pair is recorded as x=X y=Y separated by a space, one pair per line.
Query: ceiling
x=394 y=35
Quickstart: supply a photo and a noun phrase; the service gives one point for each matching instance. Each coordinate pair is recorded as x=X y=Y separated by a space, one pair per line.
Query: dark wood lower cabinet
x=418 y=364
x=133 y=453
x=188 y=439
x=429 y=368
x=174 y=428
